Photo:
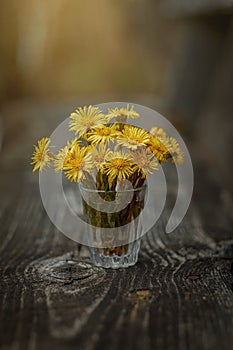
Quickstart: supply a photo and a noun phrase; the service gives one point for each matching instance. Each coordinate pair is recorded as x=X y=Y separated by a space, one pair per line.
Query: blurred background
x=175 y=56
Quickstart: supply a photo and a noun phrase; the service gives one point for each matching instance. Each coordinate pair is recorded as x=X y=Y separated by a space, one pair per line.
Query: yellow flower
x=103 y=134
x=86 y=118
x=41 y=155
x=164 y=147
x=99 y=154
x=78 y=162
x=121 y=114
x=118 y=166
x=145 y=161
x=157 y=147
x=174 y=149
x=133 y=137
x=62 y=157
x=158 y=132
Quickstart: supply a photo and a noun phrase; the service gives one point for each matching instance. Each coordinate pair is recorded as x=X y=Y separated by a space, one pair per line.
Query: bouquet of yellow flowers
x=106 y=155
x=106 y=150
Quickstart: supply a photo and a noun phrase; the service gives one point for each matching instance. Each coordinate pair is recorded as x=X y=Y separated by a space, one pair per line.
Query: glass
x=113 y=225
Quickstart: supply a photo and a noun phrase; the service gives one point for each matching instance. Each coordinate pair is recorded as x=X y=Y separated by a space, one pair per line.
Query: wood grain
x=52 y=297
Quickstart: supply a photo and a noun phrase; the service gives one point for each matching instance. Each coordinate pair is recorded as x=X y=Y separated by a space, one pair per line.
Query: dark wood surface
x=178 y=296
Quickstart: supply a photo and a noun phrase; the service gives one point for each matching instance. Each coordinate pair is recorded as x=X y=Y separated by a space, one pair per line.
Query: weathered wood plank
x=50 y=300
x=178 y=296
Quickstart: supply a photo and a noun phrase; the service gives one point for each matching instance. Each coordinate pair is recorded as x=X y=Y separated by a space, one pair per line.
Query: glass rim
x=112 y=191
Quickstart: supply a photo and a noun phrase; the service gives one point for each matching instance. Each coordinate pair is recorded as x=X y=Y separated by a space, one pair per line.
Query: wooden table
x=178 y=296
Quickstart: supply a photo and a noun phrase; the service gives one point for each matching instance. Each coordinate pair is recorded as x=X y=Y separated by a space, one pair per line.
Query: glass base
x=111 y=258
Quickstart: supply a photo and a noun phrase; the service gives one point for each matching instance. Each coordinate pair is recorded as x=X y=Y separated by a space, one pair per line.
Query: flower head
x=78 y=162
x=145 y=161
x=133 y=137
x=174 y=149
x=103 y=134
x=121 y=114
x=118 y=166
x=41 y=155
x=86 y=118
x=157 y=147
x=99 y=154
x=62 y=157
x=158 y=132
